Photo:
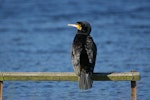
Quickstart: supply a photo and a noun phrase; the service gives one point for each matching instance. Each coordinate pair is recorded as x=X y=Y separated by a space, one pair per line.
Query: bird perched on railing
x=83 y=54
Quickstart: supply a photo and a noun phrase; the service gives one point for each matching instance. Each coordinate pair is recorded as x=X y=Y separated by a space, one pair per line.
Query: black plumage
x=83 y=54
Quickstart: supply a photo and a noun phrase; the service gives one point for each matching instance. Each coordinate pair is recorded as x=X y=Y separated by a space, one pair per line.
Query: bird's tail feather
x=85 y=80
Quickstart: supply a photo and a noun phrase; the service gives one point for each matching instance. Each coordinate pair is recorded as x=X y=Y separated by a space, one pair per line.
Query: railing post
x=1 y=89
x=133 y=90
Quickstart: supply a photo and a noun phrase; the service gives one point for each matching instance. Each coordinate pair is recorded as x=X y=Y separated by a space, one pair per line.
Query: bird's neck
x=82 y=33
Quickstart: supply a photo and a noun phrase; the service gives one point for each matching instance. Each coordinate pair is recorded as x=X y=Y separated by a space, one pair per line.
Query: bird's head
x=82 y=27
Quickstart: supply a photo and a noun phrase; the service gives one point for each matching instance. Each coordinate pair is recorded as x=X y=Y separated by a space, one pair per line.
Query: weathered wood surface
x=1 y=90
x=133 y=90
x=66 y=76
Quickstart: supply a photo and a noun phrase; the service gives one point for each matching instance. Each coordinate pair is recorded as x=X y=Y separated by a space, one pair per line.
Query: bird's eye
x=83 y=25
x=84 y=28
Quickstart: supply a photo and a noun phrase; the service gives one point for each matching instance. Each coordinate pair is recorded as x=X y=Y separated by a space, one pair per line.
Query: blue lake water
x=34 y=37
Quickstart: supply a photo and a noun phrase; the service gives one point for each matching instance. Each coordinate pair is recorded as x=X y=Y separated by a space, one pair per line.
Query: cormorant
x=83 y=54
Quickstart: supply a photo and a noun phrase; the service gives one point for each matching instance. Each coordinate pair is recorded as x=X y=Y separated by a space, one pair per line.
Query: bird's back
x=83 y=53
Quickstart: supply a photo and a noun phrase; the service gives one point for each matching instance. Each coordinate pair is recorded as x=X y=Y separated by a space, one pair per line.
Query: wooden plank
x=124 y=76
x=1 y=76
x=66 y=76
x=39 y=76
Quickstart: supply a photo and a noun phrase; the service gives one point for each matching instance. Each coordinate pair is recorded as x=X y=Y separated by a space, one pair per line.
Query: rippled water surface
x=34 y=37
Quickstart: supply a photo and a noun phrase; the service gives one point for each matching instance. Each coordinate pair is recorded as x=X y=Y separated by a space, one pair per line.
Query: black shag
x=83 y=54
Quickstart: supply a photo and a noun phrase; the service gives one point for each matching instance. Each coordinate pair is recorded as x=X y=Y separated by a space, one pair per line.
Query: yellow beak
x=78 y=26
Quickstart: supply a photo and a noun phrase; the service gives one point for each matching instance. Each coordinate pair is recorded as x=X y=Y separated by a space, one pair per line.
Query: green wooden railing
x=69 y=76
